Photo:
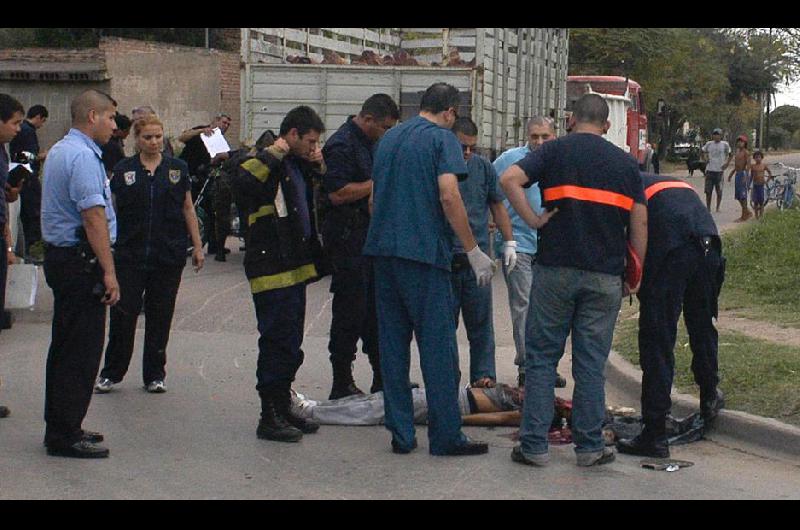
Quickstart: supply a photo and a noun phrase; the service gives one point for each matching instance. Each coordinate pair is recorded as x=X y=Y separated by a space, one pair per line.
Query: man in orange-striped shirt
x=577 y=286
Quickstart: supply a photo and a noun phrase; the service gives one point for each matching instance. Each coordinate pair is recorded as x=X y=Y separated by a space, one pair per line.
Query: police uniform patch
x=174 y=175
x=130 y=178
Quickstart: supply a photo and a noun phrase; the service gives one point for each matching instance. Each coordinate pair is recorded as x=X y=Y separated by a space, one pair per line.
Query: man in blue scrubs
x=415 y=194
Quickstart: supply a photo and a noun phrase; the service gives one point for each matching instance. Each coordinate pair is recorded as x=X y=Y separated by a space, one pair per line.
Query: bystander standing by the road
x=519 y=279
x=717 y=153
x=473 y=302
x=205 y=169
x=114 y=150
x=347 y=185
x=596 y=190
x=741 y=167
x=11 y=116
x=25 y=148
x=153 y=200
x=78 y=226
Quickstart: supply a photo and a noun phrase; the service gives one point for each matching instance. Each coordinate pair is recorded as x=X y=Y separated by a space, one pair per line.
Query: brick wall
x=230 y=91
x=187 y=86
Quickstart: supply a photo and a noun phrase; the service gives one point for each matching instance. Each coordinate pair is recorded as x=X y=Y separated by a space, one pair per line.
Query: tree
x=786 y=117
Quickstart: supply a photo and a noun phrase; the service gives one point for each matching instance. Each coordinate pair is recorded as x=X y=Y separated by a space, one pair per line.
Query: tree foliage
x=89 y=37
x=709 y=77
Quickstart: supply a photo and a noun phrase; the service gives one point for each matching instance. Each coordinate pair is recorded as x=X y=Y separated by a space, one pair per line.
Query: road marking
x=316 y=318
x=209 y=300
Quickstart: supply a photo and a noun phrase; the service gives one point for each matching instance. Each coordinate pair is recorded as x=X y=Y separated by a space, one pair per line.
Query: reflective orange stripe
x=589 y=194
x=655 y=188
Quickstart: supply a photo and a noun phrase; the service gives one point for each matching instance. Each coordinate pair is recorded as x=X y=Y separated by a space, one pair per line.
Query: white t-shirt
x=717 y=154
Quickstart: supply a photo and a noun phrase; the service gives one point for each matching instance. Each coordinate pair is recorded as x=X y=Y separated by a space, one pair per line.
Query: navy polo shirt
x=348 y=158
x=675 y=217
x=576 y=173
x=407 y=219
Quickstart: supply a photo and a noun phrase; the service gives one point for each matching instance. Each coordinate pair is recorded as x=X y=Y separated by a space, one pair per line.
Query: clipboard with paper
x=216 y=143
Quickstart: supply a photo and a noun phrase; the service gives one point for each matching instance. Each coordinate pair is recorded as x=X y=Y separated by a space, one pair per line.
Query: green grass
x=757 y=376
x=763 y=272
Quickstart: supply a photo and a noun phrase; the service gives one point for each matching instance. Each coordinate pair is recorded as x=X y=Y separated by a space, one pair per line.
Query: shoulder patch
x=130 y=178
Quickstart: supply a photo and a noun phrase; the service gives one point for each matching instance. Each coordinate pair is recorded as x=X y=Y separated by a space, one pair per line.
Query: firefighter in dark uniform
x=683 y=271
x=346 y=189
x=152 y=195
x=282 y=257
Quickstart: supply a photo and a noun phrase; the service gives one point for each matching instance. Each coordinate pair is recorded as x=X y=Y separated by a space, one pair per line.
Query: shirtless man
x=741 y=163
x=757 y=171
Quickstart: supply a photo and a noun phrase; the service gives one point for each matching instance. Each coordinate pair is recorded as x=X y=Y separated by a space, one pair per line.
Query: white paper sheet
x=216 y=143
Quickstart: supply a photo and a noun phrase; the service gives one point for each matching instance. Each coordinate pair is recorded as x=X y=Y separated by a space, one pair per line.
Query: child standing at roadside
x=757 y=171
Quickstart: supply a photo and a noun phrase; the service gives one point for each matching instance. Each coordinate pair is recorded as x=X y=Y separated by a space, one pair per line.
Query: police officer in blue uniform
x=415 y=194
x=78 y=228
x=683 y=271
x=152 y=195
x=347 y=185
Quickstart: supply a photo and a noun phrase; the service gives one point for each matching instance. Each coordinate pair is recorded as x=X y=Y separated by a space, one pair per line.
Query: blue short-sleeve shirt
x=407 y=219
x=524 y=235
x=478 y=191
x=74 y=179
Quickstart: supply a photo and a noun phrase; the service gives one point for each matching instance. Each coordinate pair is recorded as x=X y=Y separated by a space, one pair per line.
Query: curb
x=767 y=433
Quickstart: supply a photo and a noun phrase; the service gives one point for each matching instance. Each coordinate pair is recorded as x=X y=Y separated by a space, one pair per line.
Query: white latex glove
x=510 y=255
x=482 y=265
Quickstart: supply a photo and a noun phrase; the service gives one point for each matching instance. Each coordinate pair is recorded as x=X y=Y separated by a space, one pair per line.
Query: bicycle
x=782 y=191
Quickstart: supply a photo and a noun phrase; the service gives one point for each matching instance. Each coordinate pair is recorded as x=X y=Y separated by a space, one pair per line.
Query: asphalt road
x=198 y=440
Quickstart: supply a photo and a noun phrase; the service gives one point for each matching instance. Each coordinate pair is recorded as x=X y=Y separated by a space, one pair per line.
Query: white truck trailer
x=518 y=73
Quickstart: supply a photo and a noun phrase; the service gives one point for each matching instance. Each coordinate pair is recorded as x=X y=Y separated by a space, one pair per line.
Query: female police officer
x=155 y=215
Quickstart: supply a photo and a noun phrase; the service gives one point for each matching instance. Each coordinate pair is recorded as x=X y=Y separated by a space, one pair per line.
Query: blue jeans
x=518 y=282
x=416 y=298
x=475 y=306
x=564 y=301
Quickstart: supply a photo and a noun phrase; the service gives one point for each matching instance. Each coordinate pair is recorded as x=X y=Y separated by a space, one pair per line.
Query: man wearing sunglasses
x=472 y=301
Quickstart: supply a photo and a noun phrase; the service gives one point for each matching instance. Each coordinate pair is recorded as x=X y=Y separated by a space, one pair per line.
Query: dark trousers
x=281 y=317
x=222 y=211
x=354 y=315
x=3 y=276
x=79 y=320
x=686 y=281
x=157 y=289
x=30 y=210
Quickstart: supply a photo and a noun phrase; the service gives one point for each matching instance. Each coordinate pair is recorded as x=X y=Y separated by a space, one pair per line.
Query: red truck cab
x=636 y=115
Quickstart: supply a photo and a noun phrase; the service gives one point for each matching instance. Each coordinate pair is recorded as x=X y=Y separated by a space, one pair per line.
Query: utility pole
x=769 y=100
x=207 y=39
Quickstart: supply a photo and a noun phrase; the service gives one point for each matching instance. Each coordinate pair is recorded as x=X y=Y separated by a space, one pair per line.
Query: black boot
x=343 y=384
x=377 y=378
x=273 y=425
x=710 y=405
x=283 y=402
x=652 y=442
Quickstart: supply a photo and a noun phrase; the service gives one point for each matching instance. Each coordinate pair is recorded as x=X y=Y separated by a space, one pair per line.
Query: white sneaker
x=156 y=387
x=103 y=385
